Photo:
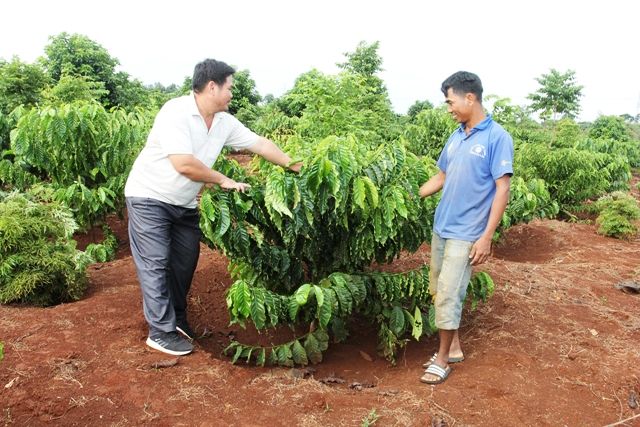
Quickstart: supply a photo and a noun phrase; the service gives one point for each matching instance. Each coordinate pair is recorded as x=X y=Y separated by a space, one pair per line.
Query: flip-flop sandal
x=441 y=374
x=435 y=355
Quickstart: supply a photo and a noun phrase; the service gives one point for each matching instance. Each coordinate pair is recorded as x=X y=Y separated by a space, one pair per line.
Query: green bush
x=429 y=132
x=83 y=150
x=627 y=149
x=572 y=176
x=105 y=251
x=302 y=246
x=567 y=134
x=39 y=263
x=618 y=213
x=321 y=105
x=528 y=200
x=610 y=127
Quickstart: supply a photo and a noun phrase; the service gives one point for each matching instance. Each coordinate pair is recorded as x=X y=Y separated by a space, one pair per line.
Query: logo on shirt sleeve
x=478 y=150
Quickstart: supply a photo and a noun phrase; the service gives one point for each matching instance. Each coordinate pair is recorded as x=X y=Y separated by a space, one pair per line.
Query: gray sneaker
x=170 y=343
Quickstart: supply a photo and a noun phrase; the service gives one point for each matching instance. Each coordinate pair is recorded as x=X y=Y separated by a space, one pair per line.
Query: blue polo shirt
x=472 y=163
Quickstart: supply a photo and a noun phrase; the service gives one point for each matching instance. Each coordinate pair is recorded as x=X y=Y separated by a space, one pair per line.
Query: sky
x=507 y=43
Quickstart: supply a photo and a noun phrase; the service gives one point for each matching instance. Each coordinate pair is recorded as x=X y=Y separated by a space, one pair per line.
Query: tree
x=75 y=54
x=417 y=107
x=610 y=127
x=74 y=88
x=558 y=94
x=366 y=62
x=245 y=94
x=127 y=93
x=628 y=118
x=78 y=55
x=339 y=105
x=20 y=84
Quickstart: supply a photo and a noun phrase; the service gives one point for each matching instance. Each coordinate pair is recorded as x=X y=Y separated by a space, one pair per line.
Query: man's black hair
x=210 y=70
x=463 y=82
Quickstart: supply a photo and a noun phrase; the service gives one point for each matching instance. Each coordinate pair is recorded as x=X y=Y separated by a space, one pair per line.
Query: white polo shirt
x=180 y=129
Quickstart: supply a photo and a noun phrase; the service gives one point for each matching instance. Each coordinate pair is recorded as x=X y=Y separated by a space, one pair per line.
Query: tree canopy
x=558 y=94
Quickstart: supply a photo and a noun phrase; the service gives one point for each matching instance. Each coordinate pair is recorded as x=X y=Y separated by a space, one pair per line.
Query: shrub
x=302 y=245
x=627 y=149
x=430 y=132
x=104 y=251
x=84 y=151
x=528 y=200
x=610 y=127
x=567 y=134
x=38 y=261
x=618 y=213
x=572 y=176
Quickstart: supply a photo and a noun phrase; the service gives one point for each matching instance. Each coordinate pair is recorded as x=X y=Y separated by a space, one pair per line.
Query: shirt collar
x=193 y=107
x=480 y=126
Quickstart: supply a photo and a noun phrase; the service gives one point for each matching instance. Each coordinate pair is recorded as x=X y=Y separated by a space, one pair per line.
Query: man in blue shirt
x=475 y=171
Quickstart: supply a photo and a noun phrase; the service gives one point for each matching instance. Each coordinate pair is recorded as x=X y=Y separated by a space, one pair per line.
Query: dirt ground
x=557 y=345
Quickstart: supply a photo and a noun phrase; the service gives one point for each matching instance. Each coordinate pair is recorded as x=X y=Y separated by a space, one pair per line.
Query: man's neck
x=476 y=118
x=206 y=114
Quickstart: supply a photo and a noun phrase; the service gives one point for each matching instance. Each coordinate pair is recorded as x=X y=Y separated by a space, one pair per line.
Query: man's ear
x=470 y=98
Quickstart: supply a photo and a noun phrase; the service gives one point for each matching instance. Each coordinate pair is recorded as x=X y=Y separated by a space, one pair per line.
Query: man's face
x=221 y=94
x=459 y=106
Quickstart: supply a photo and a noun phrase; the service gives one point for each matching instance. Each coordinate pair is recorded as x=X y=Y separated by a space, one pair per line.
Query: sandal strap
x=436 y=370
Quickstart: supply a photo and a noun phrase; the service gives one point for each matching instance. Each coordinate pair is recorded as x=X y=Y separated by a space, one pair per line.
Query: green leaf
x=323 y=338
x=285 y=356
x=317 y=290
x=258 y=314
x=313 y=351
x=261 y=357
x=293 y=309
x=432 y=319
x=396 y=320
x=273 y=357
x=238 y=353
x=243 y=299
x=299 y=353
x=326 y=310
x=302 y=294
x=359 y=194
x=372 y=192
x=225 y=218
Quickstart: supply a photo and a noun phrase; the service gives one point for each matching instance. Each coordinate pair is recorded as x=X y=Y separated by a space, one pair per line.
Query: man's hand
x=229 y=184
x=480 y=251
x=296 y=167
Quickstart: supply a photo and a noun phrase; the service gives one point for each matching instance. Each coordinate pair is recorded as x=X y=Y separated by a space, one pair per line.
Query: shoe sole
x=179 y=329
x=154 y=345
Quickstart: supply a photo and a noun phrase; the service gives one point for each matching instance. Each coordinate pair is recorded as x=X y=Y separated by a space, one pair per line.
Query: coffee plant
x=572 y=176
x=82 y=150
x=429 y=132
x=527 y=200
x=302 y=246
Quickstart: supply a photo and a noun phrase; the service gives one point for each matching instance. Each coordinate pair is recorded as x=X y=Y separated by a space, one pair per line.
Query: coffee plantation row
x=304 y=249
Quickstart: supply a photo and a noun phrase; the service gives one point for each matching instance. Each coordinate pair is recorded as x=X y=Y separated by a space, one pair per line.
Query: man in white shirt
x=187 y=136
